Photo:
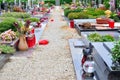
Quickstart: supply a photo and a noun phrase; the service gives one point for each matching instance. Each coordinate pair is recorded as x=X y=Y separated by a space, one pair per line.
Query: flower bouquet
x=23 y=31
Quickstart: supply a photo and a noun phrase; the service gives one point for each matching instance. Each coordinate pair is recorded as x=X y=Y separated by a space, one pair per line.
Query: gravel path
x=49 y=62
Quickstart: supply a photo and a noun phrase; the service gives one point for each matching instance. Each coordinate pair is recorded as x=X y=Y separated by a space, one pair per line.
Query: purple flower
x=27 y=23
x=15 y=24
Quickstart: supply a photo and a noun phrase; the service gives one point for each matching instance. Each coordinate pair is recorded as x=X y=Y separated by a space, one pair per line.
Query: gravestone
x=57 y=2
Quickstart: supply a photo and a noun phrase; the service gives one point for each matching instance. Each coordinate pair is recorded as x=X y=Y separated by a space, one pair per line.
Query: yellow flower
x=108 y=13
x=23 y=28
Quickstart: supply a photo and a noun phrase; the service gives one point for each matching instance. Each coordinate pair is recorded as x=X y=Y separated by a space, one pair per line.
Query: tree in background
x=65 y=1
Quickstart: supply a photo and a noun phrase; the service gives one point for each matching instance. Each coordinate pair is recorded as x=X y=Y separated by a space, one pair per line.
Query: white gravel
x=49 y=62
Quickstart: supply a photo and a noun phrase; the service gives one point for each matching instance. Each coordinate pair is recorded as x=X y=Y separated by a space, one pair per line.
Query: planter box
x=80 y=29
x=103 y=60
x=84 y=35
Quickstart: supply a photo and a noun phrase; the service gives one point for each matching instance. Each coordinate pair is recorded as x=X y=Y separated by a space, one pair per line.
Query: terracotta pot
x=22 y=45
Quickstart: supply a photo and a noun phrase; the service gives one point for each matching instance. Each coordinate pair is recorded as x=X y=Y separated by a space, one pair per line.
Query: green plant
x=32 y=19
x=68 y=10
x=106 y=3
x=16 y=15
x=92 y=17
x=107 y=38
x=50 y=1
x=73 y=15
x=83 y=15
x=23 y=29
x=7 y=24
x=90 y=9
x=95 y=37
x=65 y=1
x=35 y=2
x=7 y=49
x=115 y=17
x=116 y=51
x=94 y=12
x=77 y=15
x=65 y=6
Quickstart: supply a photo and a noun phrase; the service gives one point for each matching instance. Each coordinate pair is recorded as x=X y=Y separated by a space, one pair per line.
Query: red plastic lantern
x=71 y=23
x=31 y=40
x=33 y=31
x=111 y=24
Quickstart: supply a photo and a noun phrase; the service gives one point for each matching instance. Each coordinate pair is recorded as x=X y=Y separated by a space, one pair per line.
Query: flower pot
x=22 y=45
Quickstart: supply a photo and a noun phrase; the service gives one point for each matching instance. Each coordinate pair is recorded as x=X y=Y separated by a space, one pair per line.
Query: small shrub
x=94 y=12
x=95 y=37
x=83 y=15
x=115 y=17
x=92 y=17
x=77 y=15
x=32 y=19
x=7 y=24
x=67 y=11
x=16 y=15
x=73 y=16
x=49 y=1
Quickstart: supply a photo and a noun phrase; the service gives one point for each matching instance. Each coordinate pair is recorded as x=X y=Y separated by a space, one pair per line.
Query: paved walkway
x=49 y=62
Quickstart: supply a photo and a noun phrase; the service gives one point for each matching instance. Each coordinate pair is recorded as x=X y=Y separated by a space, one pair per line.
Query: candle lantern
x=71 y=23
x=88 y=67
